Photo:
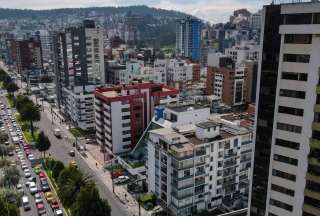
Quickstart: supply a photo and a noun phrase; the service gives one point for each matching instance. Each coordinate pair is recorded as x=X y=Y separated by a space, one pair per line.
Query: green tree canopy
x=11 y=177
x=12 y=88
x=3 y=137
x=69 y=183
x=30 y=112
x=21 y=101
x=43 y=143
x=8 y=209
x=57 y=168
x=89 y=203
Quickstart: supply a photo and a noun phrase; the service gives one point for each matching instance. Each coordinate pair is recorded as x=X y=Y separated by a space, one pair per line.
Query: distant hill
x=157 y=26
x=6 y=13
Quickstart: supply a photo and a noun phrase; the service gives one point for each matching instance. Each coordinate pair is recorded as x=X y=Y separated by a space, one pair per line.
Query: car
x=26 y=203
x=58 y=212
x=17 y=149
x=44 y=185
x=6 y=143
x=73 y=163
x=37 y=170
x=30 y=155
x=41 y=209
x=54 y=205
x=27 y=174
x=32 y=179
x=38 y=198
x=72 y=153
x=33 y=188
x=20 y=188
x=11 y=153
x=121 y=179
x=42 y=175
x=49 y=196
x=24 y=166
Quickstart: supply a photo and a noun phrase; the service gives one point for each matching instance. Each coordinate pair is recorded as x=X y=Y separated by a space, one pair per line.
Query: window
x=290 y=111
x=292 y=93
x=126 y=139
x=125 y=124
x=281 y=205
x=125 y=117
x=316 y=18
x=289 y=127
x=300 y=58
x=294 y=76
x=287 y=144
x=298 y=38
x=314 y=186
x=126 y=132
x=282 y=190
x=316 y=135
x=125 y=110
x=316 y=117
x=296 y=19
x=285 y=159
x=284 y=175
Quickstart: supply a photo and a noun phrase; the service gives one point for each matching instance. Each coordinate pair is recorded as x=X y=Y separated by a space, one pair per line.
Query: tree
x=21 y=101
x=4 y=150
x=3 y=137
x=12 y=88
x=89 y=203
x=43 y=143
x=57 y=168
x=70 y=181
x=7 y=208
x=31 y=113
x=11 y=196
x=11 y=177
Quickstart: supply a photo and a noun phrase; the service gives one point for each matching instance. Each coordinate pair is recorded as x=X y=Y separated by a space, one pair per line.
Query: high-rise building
x=188 y=38
x=28 y=56
x=79 y=68
x=286 y=175
x=123 y=112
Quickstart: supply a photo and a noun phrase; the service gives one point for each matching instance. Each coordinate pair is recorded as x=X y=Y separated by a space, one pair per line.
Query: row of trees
x=77 y=191
x=7 y=83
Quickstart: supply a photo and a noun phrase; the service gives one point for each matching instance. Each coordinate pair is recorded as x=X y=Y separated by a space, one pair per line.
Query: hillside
x=157 y=26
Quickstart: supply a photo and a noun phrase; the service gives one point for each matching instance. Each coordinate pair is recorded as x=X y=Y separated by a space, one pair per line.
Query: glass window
x=292 y=93
x=290 y=111
x=300 y=58
x=296 y=19
x=287 y=144
x=298 y=38
x=294 y=76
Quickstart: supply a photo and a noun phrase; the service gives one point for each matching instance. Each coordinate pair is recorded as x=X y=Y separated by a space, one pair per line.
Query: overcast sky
x=210 y=10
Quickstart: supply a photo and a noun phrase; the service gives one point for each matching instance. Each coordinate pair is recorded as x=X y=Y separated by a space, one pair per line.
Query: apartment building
x=123 y=112
x=228 y=84
x=79 y=67
x=286 y=178
x=28 y=55
x=245 y=51
x=200 y=166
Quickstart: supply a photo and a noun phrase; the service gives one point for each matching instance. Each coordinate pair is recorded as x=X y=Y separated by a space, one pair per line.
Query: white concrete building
x=80 y=106
x=245 y=51
x=204 y=165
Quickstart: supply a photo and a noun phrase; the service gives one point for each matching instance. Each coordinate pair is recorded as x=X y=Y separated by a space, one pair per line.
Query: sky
x=209 y=10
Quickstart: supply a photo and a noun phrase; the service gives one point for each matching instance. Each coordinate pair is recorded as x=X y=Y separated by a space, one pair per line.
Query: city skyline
x=204 y=9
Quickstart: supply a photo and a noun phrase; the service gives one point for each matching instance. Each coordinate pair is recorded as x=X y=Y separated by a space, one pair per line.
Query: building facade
x=123 y=112
x=205 y=167
x=188 y=38
x=287 y=181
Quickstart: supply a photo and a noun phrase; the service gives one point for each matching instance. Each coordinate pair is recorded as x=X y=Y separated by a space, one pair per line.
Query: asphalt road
x=23 y=180
x=59 y=150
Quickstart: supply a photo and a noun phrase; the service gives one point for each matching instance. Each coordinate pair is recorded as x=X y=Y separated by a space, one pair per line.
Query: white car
x=24 y=167
x=38 y=198
x=30 y=156
x=27 y=174
x=33 y=188
x=20 y=188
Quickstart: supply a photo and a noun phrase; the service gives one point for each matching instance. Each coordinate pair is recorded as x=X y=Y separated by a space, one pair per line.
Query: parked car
x=54 y=205
x=121 y=179
x=72 y=153
x=73 y=163
x=33 y=188
x=49 y=196
x=58 y=212
x=26 y=203
x=41 y=209
x=38 y=198
x=20 y=189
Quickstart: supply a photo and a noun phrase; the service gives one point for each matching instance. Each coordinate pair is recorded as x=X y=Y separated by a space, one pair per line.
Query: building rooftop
x=208 y=124
x=185 y=107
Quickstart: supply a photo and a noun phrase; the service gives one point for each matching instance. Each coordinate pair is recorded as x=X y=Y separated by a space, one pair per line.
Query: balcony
x=312 y=194
x=316 y=126
x=317 y=108
x=311 y=210
x=312 y=177
x=315 y=144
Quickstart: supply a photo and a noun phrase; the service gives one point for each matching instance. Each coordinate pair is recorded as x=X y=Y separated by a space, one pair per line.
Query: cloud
x=209 y=10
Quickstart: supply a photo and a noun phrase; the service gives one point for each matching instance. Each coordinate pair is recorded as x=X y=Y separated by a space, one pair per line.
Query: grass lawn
x=10 y=100
x=26 y=130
